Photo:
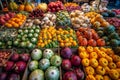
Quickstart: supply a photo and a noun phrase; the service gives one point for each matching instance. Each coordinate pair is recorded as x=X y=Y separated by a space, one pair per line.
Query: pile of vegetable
x=63 y=19
x=78 y=19
x=89 y=37
x=48 y=20
x=15 y=67
x=100 y=63
x=44 y=65
x=71 y=65
x=71 y=6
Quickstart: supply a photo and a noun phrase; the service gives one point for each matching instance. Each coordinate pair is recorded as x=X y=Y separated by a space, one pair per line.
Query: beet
x=69 y=76
x=15 y=57
x=3 y=76
x=9 y=66
x=14 y=77
x=75 y=60
x=79 y=73
x=66 y=64
x=20 y=66
x=25 y=57
x=66 y=53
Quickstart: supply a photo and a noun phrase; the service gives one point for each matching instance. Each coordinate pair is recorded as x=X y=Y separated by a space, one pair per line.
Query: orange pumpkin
x=118 y=64
x=90 y=77
x=83 y=55
x=93 y=62
x=88 y=34
x=21 y=7
x=107 y=69
x=103 y=49
x=114 y=74
x=99 y=77
x=106 y=78
x=112 y=65
x=81 y=49
x=108 y=58
x=101 y=54
x=28 y=8
x=103 y=62
x=96 y=49
x=90 y=70
x=92 y=42
x=116 y=58
x=93 y=55
x=100 y=70
x=89 y=49
x=83 y=42
x=101 y=42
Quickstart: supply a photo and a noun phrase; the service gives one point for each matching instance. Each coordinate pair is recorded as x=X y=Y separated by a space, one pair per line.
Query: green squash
x=114 y=35
x=114 y=42
x=110 y=29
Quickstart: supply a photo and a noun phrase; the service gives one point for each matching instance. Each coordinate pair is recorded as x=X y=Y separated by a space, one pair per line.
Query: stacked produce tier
x=59 y=41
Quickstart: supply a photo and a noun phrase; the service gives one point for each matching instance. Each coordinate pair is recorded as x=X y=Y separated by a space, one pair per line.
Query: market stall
x=59 y=41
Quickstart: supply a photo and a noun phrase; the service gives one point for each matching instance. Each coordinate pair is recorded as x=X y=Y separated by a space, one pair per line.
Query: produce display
x=48 y=20
x=55 y=6
x=89 y=37
x=16 y=21
x=71 y=6
x=5 y=17
x=78 y=19
x=62 y=37
x=63 y=19
x=44 y=65
x=56 y=41
x=71 y=65
x=14 y=68
x=100 y=63
x=109 y=35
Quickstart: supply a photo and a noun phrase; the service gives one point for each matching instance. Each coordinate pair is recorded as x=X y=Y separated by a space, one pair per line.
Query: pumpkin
x=118 y=64
x=118 y=69
x=28 y=8
x=88 y=34
x=105 y=24
x=93 y=62
x=100 y=70
x=96 y=24
x=89 y=70
x=21 y=7
x=116 y=58
x=90 y=77
x=110 y=29
x=103 y=62
x=95 y=36
x=109 y=59
x=83 y=42
x=110 y=52
x=114 y=74
x=114 y=42
x=112 y=65
x=93 y=55
x=101 y=54
x=107 y=69
x=85 y=62
x=106 y=78
x=103 y=49
x=83 y=55
x=101 y=42
x=81 y=49
x=80 y=38
x=89 y=49
x=99 y=77
x=92 y=42
x=96 y=49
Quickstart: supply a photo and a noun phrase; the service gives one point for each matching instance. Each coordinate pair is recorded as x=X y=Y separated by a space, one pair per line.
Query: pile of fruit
x=97 y=19
x=117 y=11
x=44 y=65
x=109 y=35
x=4 y=56
x=71 y=6
x=89 y=37
x=15 y=67
x=16 y=21
x=71 y=65
x=4 y=18
x=100 y=63
x=63 y=19
x=27 y=37
x=37 y=13
x=55 y=6
x=78 y=19
x=50 y=39
x=48 y=20
x=42 y=6
x=114 y=21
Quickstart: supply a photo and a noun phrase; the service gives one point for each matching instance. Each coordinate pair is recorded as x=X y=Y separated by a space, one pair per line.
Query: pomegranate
x=9 y=66
x=75 y=60
x=69 y=76
x=20 y=66
x=79 y=73
x=3 y=76
x=25 y=57
x=15 y=57
x=66 y=53
x=66 y=64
